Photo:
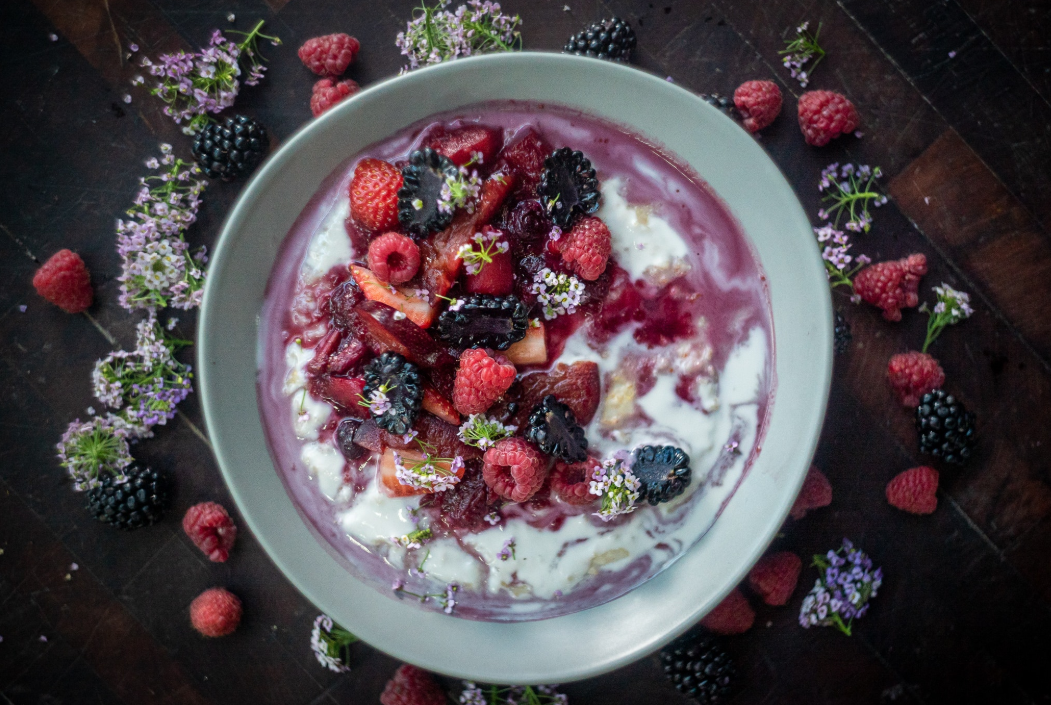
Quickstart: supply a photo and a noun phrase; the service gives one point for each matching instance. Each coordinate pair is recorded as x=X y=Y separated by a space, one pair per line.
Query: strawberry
x=526 y=160
x=344 y=392
x=815 y=493
x=438 y=405
x=775 y=576
x=416 y=308
x=463 y=144
x=892 y=286
x=389 y=482
x=496 y=277
x=374 y=195
x=480 y=380
x=530 y=350
x=731 y=616
x=578 y=386
x=382 y=329
x=915 y=490
x=913 y=374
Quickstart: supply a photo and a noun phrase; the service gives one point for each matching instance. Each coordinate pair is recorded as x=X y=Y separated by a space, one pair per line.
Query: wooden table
x=965 y=140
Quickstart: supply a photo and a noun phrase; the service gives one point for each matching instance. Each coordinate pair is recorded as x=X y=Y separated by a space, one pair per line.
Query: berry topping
x=577 y=385
x=700 y=668
x=328 y=92
x=483 y=321
x=424 y=206
x=568 y=186
x=721 y=103
x=215 y=612
x=480 y=380
x=329 y=55
x=341 y=303
x=230 y=149
x=487 y=261
x=759 y=103
x=414 y=304
x=913 y=374
x=392 y=392
x=663 y=472
x=612 y=39
x=64 y=281
x=474 y=144
x=731 y=616
x=815 y=493
x=211 y=529
x=465 y=506
x=527 y=223
x=139 y=498
x=775 y=576
x=345 y=438
x=914 y=491
x=514 y=469
x=946 y=428
x=841 y=335
x=553 y=428
x=585 y=248
x=571 y=482
x=394 y=258
x=412 y=686
x=526 y=161
x=824 y=115
x=374 y=195
x=893 y=285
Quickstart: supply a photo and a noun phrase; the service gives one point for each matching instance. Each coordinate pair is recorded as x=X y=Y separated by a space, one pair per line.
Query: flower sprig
x=558 y=294
x=617 y=487
x=474 y=694
x=413 y=539
x=837 y=257
x=951 y=307
x=849 y=189
x=435 y=34
x=482 y=432
x=799 y=51
x=843 y=589
x=331 y=644
x=377 y=402
x=89 y=449
x=459 y=191
x=507 y=552
x=430 y=473
x=446 y=600
x=480 y=253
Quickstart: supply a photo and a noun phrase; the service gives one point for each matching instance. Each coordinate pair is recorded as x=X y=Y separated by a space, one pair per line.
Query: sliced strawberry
x=438 y=405
x=387 y=472
x=325 y=347
x=370 y=436
x=495 y=191
x=382 y=332
x=350 y=352
x=416 y=308
x=526 y=159
x=460 y=144
x=344 y=392
x=530 y=350
x=496 y=277
x=577 y=385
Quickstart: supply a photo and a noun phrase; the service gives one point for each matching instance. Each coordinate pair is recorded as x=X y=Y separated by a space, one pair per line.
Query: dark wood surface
x=965 y=612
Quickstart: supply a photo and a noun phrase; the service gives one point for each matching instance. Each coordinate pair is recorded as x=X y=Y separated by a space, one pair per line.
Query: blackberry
x=484 y=321
x=554 y=429
x=841 y=335
x=232 y=149
x=611 y=39
x=399 y=380
x=700 y=668
x=946 y=428
x=722 y=104
x=527 y=223
x=568 y=186
x=662 y=471
x=139 y=501
x=421 y=192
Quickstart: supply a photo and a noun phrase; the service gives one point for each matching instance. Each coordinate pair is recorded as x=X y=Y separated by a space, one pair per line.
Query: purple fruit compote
x=641 y=342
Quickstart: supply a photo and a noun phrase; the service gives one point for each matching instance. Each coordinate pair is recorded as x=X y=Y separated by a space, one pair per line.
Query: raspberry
x=571 y=482
x=374 y=195
x=914 y=490
x=215 y=612
x=328 y=92
x=394 y=258
x=211 y=529
x=586 y=248
x=893 y=285
x=480 y=381
x=759 y=103
x=412 y=686
x=329 y=55
x=913 y=374
x=65 y=282
x=731 y=616
x=514 y=469
x=824 y=115
x=775 y=576
x=815 y=493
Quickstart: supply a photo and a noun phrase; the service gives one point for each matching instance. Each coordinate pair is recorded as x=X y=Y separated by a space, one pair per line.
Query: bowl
x=602 y=638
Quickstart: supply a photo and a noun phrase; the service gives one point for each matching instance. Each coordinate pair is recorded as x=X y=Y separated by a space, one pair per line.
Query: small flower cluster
x=837 y=257
x=90 y=448
x=446 y=600
x=482 y=432
x=843 y=590
x=331 y=644
x=475 y=256
x=158 y=268
x=460 y=191
x=850 y=190
x=377 y=402
x=196 y=84
x=511 y=695
x=413 y=539
x=614 y=482
x=508 y=551
x=145 y=385
x=952 y=307
x=558 y=293
x=799 y=51
x=435 y=34
x=432 y=474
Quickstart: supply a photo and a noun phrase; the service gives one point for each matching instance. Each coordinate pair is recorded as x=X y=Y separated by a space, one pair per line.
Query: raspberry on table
x=394 y=258
x=480 y=380
x=211 y=529
x=893 y=285
x=731 y=616
x=775 y=576
x=825 y=115
x=216 y=612
x=759 y=103
x=815 y=493
x=329 y=55
x=915 y=490
x=586 y=248
x=571 y=482
x=374 y=195
x=514 y=469
x=412 y=686
x=328 y=92
x=64 y=281
x=913 y=374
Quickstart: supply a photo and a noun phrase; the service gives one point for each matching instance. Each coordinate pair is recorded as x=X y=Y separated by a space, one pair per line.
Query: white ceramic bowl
x=596 y=640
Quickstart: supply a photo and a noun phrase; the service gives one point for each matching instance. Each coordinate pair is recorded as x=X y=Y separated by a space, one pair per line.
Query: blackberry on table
x=555 y=431
x=421 y=192
x=946 y=428
x=140 y=500
x=841 y=335
x=568 y=186
x=722 y=103
x=700 y=668
x=662 y=471
x=399 y=381
x=611 y=39
x=484 y=321
x=230 y=149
